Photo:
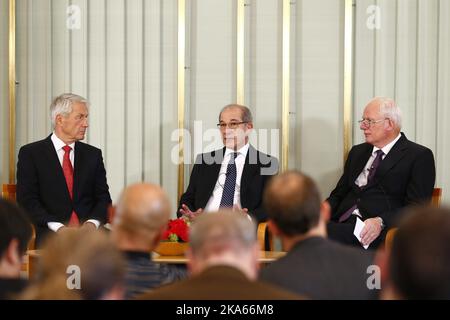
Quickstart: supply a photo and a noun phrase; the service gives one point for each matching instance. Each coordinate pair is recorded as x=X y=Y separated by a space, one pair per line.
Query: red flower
x=177 y=231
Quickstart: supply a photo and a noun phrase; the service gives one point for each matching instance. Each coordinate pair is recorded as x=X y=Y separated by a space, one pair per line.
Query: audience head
x=420 y=256
x=224 y=238
x=382 y=121
x=141 y=217
x=69 y=114
x=78 y=264
x=293 y=205
x=235 y=124
x=15 y=233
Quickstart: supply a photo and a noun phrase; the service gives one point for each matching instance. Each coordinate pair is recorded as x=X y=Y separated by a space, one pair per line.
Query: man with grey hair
x=61 y=181
x=140 y=219
x=233 y=177
x=381 y=176
x=223 y=262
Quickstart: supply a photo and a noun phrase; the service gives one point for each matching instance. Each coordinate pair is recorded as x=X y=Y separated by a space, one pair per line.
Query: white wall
x=318 y=91
x=263 y=72
x=124 y=60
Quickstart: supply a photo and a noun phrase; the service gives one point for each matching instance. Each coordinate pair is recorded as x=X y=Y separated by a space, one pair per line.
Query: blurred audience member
x=419 y=260
x=78 y=264
x=15 y=233
x=314 y=266
x=223 y=261
x=140 y=220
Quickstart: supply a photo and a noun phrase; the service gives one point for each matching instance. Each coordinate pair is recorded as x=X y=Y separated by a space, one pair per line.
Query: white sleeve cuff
x=95 y=222
x=54 y=226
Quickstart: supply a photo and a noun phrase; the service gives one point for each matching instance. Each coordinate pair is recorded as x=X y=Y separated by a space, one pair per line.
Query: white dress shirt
x=362 y=178
x=59 y=144
x=214 y=201
x=361 y=181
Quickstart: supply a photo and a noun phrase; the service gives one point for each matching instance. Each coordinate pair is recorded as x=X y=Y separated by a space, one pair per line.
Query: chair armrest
x=265 y=238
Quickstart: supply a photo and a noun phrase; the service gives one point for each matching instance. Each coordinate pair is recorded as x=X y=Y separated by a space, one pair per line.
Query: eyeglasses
x=231 y=125
x=369 y=122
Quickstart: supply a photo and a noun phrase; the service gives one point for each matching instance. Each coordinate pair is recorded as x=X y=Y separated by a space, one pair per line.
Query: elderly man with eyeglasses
x=381 y=177
x=232 y=177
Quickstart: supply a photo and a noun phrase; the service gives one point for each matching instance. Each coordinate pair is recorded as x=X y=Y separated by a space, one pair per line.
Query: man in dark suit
x=233 y=177
x=15 y=232
x=60 y=180
x=223 y=262
x=381 y=176
x=314 y=266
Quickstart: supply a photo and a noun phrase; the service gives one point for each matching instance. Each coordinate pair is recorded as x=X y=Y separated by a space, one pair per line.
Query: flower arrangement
x=177 y=230
x=174 y=241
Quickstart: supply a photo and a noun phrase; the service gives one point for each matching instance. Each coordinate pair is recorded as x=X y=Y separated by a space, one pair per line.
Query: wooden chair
x=9 y=192
x=389 y=239
x=436 y=197
x=265 y=238
x=435 y=202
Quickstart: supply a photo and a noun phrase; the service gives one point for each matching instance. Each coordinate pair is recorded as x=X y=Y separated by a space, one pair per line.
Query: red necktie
x=68 y=174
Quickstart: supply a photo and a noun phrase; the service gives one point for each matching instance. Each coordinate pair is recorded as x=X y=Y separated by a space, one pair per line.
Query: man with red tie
x=61 y=181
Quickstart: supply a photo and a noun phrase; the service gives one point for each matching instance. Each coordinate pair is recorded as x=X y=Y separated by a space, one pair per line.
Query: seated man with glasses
x=231 y=177
x=381 y=177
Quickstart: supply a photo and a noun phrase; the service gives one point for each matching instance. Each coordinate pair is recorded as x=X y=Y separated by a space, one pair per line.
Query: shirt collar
x=242 y=151
x=59 y=144
x=387 y=147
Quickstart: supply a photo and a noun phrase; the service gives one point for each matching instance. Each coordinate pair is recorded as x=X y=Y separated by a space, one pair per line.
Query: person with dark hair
x=381 y=177
x=15 y=233
x=314 y=266
x=223 y=262
x=233 y=177
x=419 y=260
x=61 y=181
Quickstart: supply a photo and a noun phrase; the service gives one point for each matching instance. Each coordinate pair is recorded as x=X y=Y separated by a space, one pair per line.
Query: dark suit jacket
x=11 y=288
x=405 y=176
x=258 y=168
x=42 y=188
x=322 y=269
x=219 y=283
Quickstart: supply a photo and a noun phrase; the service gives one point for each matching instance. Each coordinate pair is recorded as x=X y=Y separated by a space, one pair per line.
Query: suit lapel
x=361 y=161
x=249 y=170
x=79 y=165
x=55 y=166
x=211 y=175
x=393 y=157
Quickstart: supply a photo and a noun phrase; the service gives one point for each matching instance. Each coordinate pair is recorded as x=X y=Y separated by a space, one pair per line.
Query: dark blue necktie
x=230 y=184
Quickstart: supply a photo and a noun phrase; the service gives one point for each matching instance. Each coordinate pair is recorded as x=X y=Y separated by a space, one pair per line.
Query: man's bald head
x=142 y=210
